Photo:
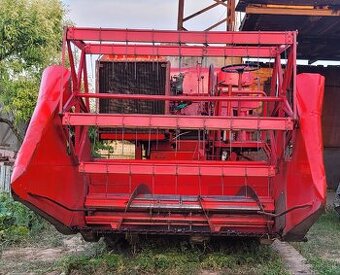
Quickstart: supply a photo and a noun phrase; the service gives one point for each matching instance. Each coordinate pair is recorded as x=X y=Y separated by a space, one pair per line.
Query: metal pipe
x=179 y=98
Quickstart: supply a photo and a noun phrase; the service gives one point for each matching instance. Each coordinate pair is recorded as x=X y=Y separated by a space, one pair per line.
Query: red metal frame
x=227 y=191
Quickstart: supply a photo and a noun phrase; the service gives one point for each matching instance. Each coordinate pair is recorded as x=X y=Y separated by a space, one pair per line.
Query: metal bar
x=166 y=36
x=79 y=44
x=221 y=2
x=129 y=136
x=132 y=167
x=176 y=122
x=63 y=57
x=80 y=70
x=217 y=24
x=68 y=104
x=180 y=15
x=181 y=50
x=153 y=97
x=202 y=11
x=86 y=84
x=294 y=49
x=291 y=11
x=191 y=202
x=142 y=219
x=274 y=78
x=72 y=65
x=231 y=15
x=287 y=78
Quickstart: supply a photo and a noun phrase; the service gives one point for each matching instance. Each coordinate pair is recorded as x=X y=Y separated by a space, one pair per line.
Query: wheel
x=240 y=68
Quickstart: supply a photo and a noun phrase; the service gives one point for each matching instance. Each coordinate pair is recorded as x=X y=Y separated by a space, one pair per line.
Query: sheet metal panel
x=331 y=109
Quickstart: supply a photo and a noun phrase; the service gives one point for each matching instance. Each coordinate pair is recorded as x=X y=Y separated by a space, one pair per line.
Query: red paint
x=218 y=164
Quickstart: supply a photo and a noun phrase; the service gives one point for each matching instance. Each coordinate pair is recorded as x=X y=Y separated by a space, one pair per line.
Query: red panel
x=306 y=181
x=43 y=171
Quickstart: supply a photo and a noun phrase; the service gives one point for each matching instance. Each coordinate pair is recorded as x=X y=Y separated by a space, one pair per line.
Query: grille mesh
x=132 y=78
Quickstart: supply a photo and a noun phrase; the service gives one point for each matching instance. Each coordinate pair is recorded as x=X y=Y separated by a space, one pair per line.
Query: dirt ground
x=39 y=258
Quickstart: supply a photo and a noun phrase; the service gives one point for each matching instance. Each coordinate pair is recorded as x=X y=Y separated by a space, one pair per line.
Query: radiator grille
x=132 y=78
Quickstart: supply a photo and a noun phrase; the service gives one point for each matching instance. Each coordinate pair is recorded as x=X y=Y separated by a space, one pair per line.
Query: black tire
x=117 y=243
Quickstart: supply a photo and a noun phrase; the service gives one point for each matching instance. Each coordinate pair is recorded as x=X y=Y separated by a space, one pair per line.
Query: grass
x=175 y=256
x=17 y=223
x=20 y=227
x=322 y=250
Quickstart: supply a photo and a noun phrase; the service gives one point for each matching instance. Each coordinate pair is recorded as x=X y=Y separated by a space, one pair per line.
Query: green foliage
x=175 y=256
x=98 y=265
x=30 y=40
x=97 y=144
x=17 y=222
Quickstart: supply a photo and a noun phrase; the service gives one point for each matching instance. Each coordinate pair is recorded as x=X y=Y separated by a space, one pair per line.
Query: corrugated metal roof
x=319 y=36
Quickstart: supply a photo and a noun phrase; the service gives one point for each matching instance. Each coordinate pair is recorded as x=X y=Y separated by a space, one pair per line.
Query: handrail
x=179 y=98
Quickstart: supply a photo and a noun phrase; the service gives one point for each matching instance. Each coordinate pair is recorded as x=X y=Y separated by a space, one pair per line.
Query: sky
x=144 y=14
x=154 y=14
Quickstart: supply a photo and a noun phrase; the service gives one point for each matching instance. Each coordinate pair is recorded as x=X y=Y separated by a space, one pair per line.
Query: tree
x=30 y=40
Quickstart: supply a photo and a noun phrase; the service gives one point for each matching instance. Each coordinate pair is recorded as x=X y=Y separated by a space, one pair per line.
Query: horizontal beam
x=131 y=136
x=138 y=167
x=216 y=222
x=291 y=10
x=151 y=97
x=175 y=202
x=181 y=50
x=166 y=36
x=134 y=121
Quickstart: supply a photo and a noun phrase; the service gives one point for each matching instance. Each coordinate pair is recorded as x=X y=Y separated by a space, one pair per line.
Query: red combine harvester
x=215 y=152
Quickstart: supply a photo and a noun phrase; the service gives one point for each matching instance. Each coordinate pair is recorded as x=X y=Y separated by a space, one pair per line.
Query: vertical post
x=231 y=15
x=2 y=178
x=294 y=74
x=80 y=70
x=180 y=15
x=72 y=66
x=8 y=178
x=63 y=53
x=86 y=83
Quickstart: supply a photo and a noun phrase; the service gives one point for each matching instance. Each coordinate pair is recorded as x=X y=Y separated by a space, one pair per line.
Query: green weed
x=17 y=222
x=175 y=256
